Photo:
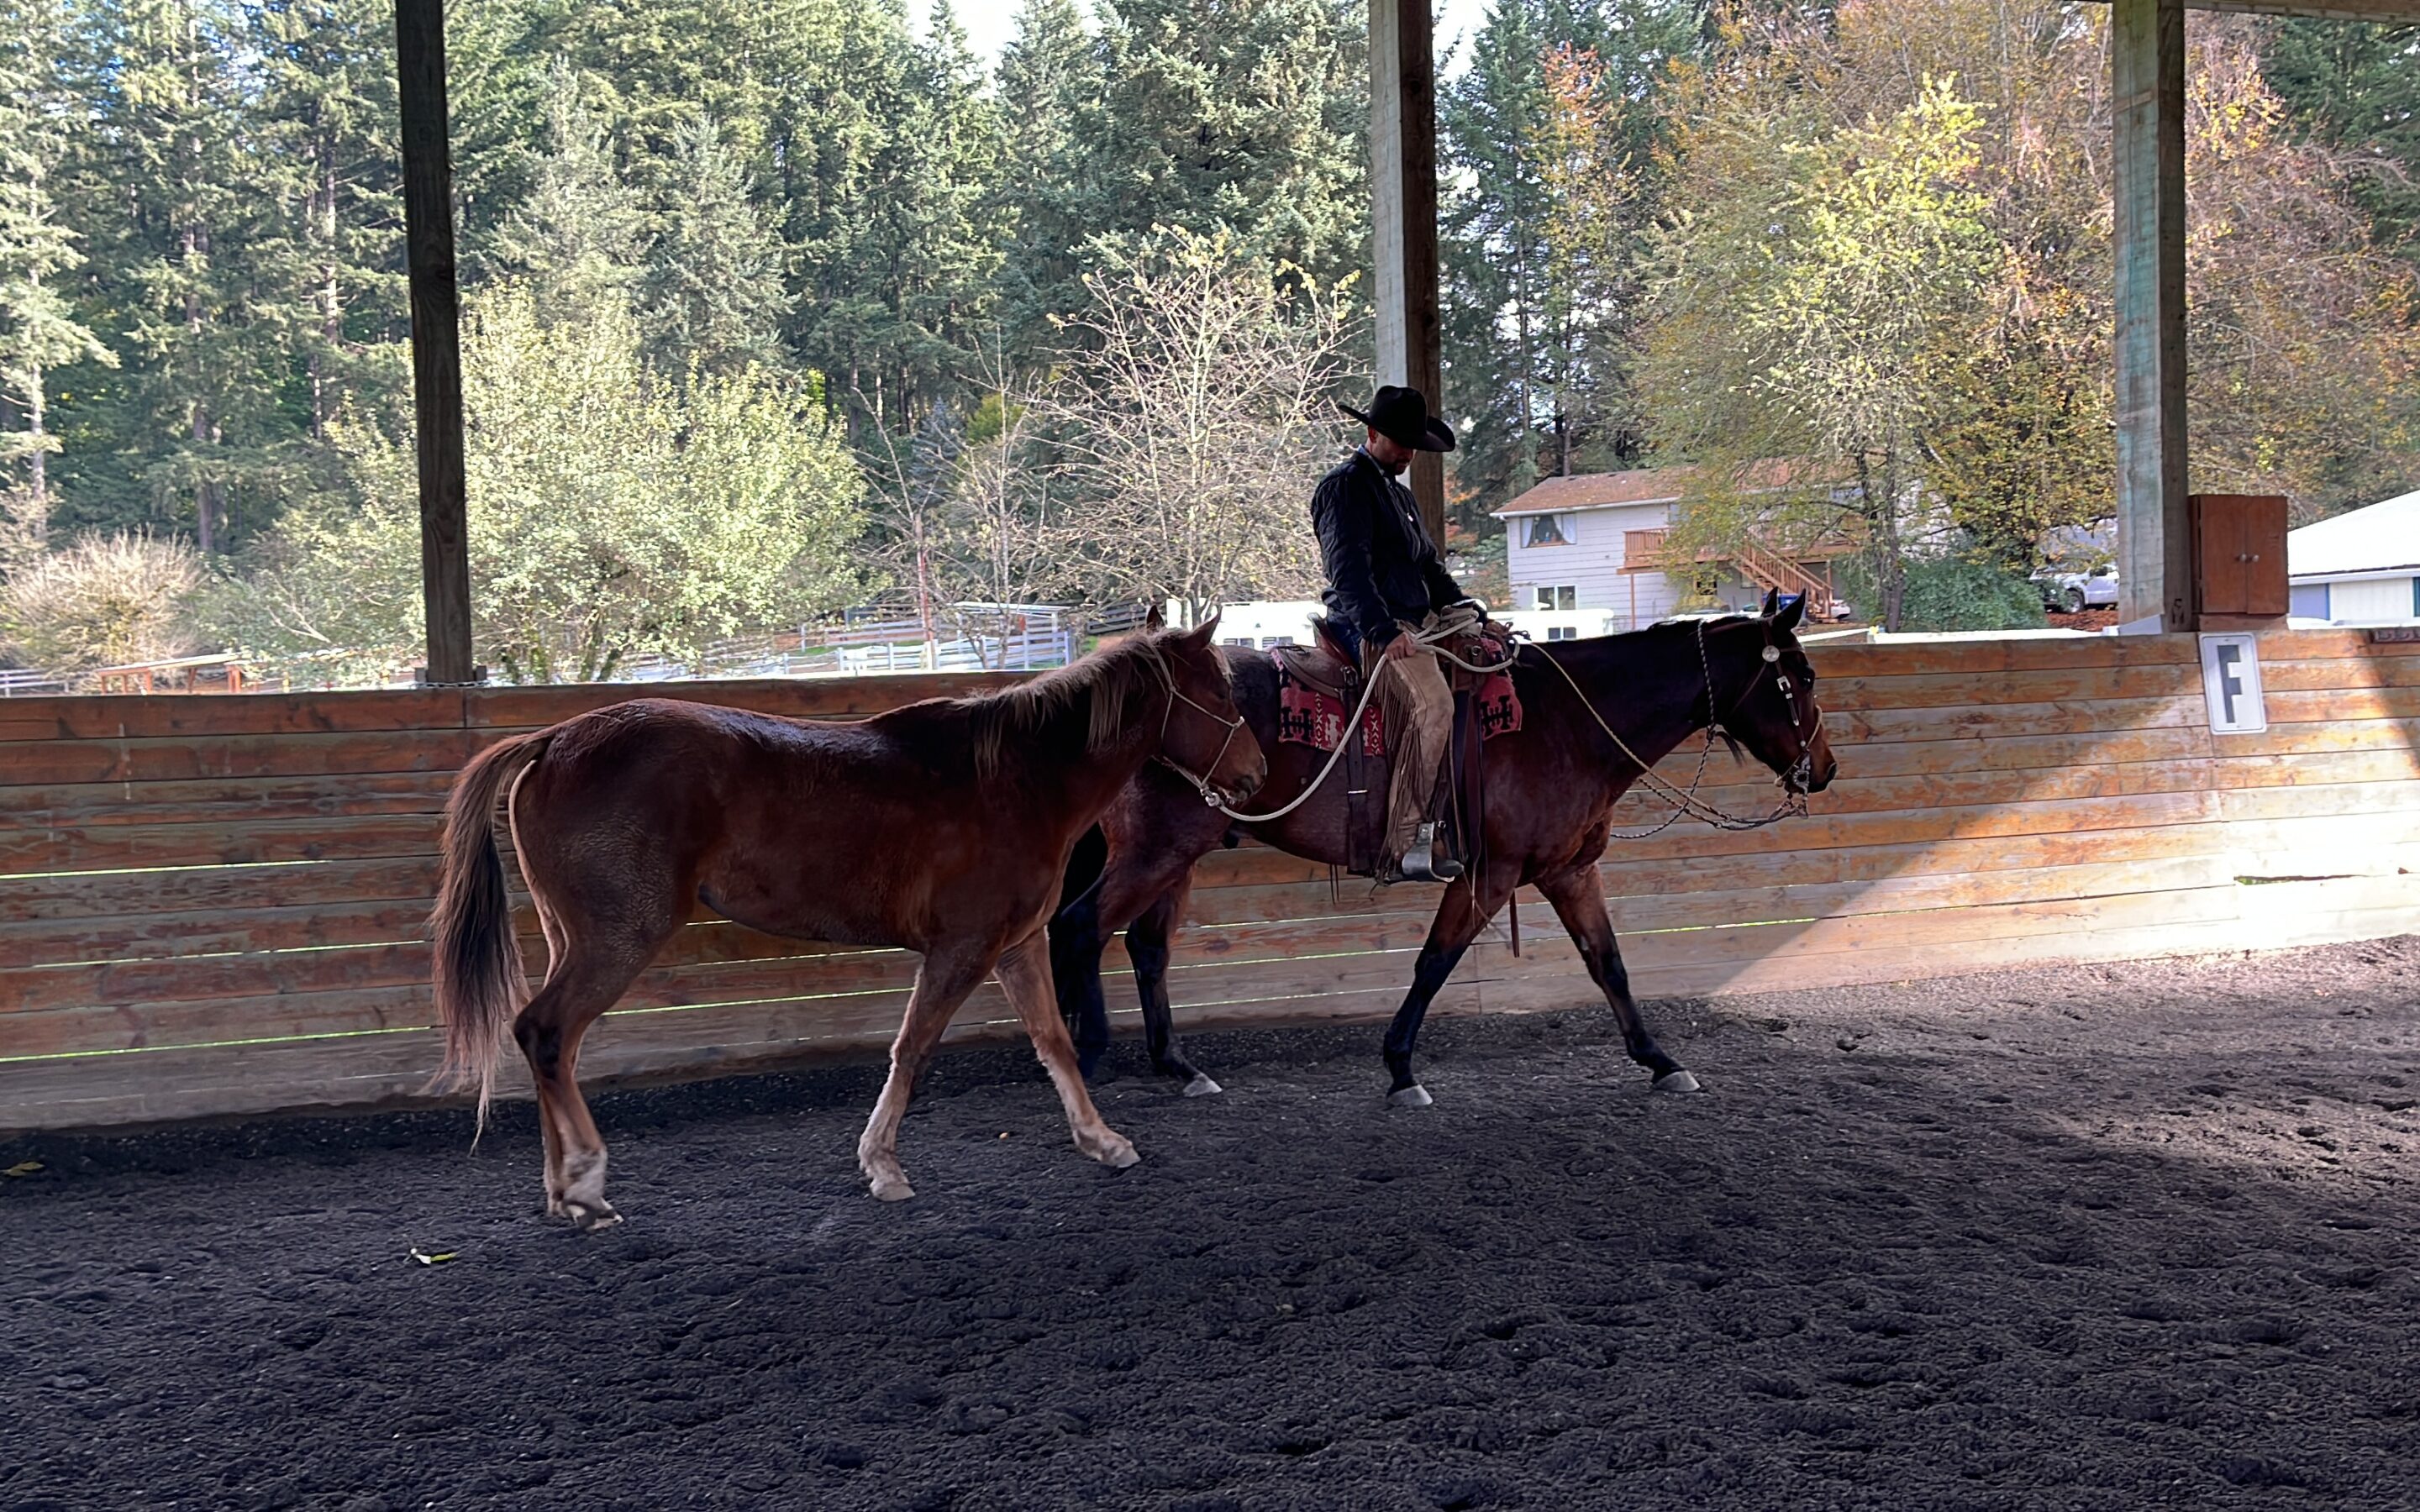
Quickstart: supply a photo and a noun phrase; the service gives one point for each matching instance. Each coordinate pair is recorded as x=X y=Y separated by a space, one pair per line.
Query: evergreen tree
x=1049 y=85
x=1549 y=139
x=174 y=200
x=1492 y=241
x=2357 y=85
x=712 y=295
x=1241 y=117
x=326 y=117
x=576 y=239
x=38 y=332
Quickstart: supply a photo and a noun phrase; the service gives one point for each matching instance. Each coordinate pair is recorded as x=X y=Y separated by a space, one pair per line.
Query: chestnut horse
x=942 y=828
x=1594 y=711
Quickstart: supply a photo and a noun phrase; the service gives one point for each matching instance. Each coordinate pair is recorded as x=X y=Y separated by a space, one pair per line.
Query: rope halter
x=1211 y=794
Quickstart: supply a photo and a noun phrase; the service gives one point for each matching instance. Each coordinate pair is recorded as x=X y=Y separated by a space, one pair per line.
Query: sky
x=989 y=24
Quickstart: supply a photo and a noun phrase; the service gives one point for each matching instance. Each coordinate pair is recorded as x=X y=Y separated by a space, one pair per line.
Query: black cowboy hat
x=1401 y=416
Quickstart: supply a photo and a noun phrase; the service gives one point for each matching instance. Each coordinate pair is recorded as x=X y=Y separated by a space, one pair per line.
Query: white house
x=1593 y=544
x=2358 y=569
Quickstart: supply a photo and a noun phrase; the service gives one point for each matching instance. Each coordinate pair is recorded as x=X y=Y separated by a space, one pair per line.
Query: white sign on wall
x=2230 y=681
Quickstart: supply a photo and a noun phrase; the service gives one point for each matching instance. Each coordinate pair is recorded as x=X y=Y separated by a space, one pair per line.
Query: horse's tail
x=478 y=978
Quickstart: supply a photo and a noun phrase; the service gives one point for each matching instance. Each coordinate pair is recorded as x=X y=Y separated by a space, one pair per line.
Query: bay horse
x=1596 y=713
x=941 y=827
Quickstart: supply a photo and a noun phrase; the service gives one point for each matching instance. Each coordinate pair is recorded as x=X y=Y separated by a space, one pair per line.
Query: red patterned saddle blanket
x=1312 y=706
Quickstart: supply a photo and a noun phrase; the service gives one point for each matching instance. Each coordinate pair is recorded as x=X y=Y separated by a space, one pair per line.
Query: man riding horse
x=1387 y=589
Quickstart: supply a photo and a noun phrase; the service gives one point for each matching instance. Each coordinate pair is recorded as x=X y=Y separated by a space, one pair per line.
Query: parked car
x=2072 y=592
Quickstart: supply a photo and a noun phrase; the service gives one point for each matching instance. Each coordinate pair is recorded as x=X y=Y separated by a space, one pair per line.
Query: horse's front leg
x=1468 y=904
x=1579 y=898
x=1147 y=948
x=1024 y=972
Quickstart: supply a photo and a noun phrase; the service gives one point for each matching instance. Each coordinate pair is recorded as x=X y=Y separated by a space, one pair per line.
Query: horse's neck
x=1087 y=784
x=1653 y=725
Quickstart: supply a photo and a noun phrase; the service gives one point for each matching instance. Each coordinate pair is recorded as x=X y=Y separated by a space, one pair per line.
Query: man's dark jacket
x=1382 y=567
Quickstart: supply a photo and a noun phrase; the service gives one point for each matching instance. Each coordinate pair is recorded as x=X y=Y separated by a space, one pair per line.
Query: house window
x=1549 y=529
x=1561 y=596
x=1563 y=632
x=2309 y=601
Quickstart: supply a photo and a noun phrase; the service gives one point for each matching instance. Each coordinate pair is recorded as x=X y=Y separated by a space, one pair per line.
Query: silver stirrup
x=1422 y=863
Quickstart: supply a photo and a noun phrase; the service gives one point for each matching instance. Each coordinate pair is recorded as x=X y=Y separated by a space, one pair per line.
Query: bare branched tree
x=1191 y=421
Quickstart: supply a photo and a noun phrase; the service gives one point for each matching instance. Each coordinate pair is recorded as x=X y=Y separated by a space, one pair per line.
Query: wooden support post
x=2154 y=535
x=436 y=347
x=1403 y=221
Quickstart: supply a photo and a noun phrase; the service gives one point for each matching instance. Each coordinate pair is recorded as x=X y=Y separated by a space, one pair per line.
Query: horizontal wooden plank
x=1990 y=689
x=141 y=715
x=216 y=932
x=231 y=891
x=335 y=798
x=2318 y=735
x=1840 y=659
x=38 y=853
x=2004 y=752
x=187 y=758
x=1848 y=726
x=2295 y=706
x=2337 y=674
x=2310 y=768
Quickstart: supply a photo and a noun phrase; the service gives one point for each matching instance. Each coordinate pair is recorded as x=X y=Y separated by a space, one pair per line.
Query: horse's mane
x=1107 y=683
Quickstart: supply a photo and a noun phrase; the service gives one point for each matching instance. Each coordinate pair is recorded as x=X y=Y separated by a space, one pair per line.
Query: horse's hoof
x=1677 y=1081
x=1117 y=1153
x=1414 y=1096
x=591 y=1220
x=1201 y=1086
x=893 y=1189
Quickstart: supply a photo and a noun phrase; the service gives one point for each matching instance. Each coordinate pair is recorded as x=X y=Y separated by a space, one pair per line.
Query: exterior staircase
x=1766 y=567
x=1770 y=571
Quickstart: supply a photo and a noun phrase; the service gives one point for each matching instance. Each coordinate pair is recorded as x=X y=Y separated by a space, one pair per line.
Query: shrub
x=105 y=601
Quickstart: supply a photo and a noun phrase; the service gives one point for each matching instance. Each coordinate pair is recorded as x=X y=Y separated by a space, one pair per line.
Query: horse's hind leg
x=1076 y=946
x=578 y=990
x=1579 y=898
x=1147 y=948
x=1024 y=970
x=942 y=982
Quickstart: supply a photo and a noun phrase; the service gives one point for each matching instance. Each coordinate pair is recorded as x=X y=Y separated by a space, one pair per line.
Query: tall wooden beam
x=2154 y=539
x=1403 y=214
x=436 y=345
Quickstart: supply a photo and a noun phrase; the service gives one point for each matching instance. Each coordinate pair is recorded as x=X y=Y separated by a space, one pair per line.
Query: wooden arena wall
x=215 y=905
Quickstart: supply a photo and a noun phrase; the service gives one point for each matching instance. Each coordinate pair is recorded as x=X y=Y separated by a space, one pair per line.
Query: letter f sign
x=2230 y=680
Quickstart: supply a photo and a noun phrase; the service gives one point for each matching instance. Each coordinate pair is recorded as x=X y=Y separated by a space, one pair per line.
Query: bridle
x=1211 y=795
x=1800 y=778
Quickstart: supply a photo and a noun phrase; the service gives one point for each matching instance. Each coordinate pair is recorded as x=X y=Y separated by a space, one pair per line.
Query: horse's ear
x=1772 y=602
x=1157 y=619
x=1794 y=610
x=1201 y=634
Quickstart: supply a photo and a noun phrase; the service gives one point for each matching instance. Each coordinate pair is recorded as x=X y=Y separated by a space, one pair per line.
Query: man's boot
x=1423 y=862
